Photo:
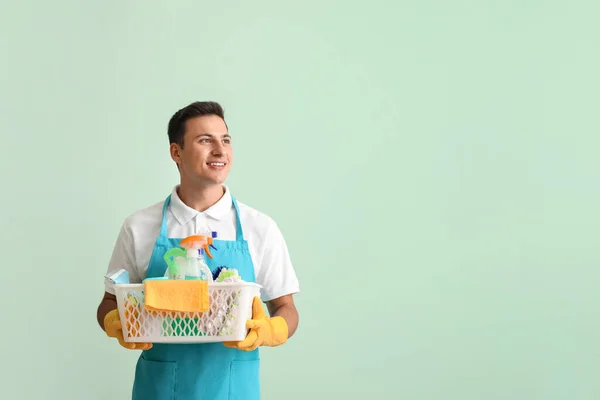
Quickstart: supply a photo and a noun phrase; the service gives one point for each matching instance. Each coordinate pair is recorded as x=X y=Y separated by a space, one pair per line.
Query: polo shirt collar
x=183 y=213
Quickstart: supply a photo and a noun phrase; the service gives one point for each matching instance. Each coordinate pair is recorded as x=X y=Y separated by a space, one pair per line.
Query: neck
x=200 y=198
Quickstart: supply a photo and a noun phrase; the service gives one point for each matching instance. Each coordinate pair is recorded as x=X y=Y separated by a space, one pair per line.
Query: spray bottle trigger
x=205 y=248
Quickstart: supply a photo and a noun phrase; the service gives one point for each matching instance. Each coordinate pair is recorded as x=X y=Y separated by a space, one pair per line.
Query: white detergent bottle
x=191 y=270
x=203 y=269
x=196 y=266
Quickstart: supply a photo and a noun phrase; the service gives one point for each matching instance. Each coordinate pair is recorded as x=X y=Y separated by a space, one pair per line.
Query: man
x=247 y=240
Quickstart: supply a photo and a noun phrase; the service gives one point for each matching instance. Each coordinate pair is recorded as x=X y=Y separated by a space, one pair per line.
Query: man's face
x=206 y=156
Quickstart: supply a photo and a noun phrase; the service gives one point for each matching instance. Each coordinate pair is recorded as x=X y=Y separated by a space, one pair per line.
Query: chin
x=205 y=180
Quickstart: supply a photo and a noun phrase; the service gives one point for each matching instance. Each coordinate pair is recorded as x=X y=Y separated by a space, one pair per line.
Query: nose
x=217 y=149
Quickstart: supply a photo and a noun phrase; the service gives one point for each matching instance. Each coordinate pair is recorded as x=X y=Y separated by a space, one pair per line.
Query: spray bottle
x=176 y=259
x=196 y=246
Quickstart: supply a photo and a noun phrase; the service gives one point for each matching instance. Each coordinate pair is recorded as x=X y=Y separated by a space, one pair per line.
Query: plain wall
x=433 y=166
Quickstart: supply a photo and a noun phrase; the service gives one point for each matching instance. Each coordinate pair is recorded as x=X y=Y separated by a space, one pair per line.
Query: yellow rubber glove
x=264 y=331
x=113 y=328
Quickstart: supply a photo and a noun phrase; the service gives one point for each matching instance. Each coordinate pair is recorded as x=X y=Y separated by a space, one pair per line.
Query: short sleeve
x=276 y=273
x=123 y=257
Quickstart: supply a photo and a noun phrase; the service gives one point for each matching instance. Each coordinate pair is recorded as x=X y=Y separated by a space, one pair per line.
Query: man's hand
x=113 y=328
x=264 y=331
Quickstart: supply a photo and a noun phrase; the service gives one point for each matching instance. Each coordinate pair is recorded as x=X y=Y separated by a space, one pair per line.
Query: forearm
x=108 y=303
x=289 y=313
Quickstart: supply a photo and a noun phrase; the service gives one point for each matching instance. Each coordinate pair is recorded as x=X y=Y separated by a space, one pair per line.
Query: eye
x=227 y=141
x=205 y=140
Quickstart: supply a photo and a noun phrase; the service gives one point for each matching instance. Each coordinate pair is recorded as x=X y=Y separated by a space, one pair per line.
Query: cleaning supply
x=118 y=278
x=196 y=246
x=228 y=275
x=200 y=241
x=197 y=267
x=179 y=296
x=225 y=308
x=132 y=308
x=184 y=263
x=264 y=331
x=176 y=259
x=217 y=271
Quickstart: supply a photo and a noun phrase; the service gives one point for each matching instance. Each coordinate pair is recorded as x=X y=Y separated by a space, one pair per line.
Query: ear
x=175 y=151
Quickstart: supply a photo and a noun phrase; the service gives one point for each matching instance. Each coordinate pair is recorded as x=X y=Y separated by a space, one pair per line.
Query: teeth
x=217 y=164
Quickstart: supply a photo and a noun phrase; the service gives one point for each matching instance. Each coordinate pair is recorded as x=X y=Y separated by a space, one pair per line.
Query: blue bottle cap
x=214 y=234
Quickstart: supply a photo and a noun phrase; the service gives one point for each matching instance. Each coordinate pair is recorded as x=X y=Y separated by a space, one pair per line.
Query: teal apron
x=206 y=371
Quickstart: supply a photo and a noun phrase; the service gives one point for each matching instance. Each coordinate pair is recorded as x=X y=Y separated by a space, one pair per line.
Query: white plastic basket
x=230 y=306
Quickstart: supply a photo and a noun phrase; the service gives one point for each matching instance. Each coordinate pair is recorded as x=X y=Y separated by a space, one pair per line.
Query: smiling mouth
x=216 y=164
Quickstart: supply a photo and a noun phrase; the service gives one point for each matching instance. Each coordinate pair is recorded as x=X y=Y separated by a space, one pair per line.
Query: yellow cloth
x=264 y=331
x=113 y=328
x=176 y=295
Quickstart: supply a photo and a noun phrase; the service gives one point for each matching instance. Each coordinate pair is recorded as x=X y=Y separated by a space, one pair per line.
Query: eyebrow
x=227 y=135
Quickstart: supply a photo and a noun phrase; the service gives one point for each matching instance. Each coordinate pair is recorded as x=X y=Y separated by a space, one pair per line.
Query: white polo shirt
x=272 y=265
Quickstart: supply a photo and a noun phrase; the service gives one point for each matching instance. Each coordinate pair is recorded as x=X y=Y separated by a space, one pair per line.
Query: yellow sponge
x=176 y=295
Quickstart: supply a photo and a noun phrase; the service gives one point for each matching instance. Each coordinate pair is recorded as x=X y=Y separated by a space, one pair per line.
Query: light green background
x=433 y=166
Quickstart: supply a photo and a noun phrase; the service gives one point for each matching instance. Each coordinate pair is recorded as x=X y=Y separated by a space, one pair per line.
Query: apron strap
x=239 y=233
x=163 y=226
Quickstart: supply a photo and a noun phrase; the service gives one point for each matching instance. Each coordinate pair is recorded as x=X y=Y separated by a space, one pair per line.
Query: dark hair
x=177 y=122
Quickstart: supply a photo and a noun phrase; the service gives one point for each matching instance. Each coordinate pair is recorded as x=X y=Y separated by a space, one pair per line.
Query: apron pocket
x=244 y=383
x=155 y=380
